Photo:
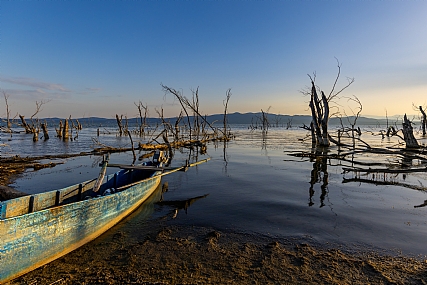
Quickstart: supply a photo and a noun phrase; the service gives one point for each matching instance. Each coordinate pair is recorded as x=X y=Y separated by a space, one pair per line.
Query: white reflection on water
x=255 y=186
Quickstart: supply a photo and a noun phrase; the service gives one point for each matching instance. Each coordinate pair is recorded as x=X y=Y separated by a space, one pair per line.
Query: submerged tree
x=8 y=123
x=408 y=134
x=320 y=110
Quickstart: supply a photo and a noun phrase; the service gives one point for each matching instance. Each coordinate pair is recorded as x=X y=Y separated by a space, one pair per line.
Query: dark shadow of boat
x=181 y=204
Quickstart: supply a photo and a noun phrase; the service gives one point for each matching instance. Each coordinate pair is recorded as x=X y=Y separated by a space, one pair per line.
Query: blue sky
x=96 y=58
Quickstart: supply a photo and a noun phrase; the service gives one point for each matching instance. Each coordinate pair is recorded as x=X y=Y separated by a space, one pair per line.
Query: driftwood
x=393 y=183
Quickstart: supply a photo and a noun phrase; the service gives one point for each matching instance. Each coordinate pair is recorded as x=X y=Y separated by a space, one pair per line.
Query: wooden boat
x=40 y=228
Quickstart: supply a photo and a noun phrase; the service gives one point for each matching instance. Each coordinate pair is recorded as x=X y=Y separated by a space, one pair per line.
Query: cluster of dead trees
x=65 y=131
x=267 y=120
x=34 y=126
x=190 y=129
x=321 y=111
x=354 y=154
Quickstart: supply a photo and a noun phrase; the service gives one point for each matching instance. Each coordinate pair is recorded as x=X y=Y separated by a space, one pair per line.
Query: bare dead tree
x=227 y=98
x=79 y=125
x=320 y=108
x=320 y=116
x=126 y=128
x=289 y=123
x=142 y=119
x=59 y=130
x=75 y=126
x=119 y=124
x=65 y=130
x=276 y=120
x=167 y=126
x=26 y=127
x=179 y=96
x=423 y=120
x=8 y=123
x=408 y=134
x=264 y=120
x=185 y=103
x=423 y=117
x=38 y=108
x=352 y=123
x=45 y=132
x=34 y=128
x=195 y=108
x=176 y=133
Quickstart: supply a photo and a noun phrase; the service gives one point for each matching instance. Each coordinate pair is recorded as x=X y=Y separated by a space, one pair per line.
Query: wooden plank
x=139 y=167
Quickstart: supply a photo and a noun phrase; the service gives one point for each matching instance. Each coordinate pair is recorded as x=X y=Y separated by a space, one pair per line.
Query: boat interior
x=113 y=183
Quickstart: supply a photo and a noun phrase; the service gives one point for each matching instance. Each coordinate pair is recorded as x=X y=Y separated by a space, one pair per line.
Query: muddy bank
x=12 y=168
x=170 y=254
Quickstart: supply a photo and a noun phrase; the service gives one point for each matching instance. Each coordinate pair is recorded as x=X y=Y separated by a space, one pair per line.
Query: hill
x=232 y=118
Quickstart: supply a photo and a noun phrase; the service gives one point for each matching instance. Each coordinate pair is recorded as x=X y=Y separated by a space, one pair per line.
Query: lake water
x=255 y=186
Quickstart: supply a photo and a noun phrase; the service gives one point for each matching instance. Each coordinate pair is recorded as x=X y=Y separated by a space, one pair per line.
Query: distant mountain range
x=234 y=118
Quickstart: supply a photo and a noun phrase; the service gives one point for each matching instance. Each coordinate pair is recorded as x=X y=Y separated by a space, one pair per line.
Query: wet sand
x=166 y=253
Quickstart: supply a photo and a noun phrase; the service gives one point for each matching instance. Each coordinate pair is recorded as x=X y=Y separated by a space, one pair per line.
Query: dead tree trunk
x=45 y=132
x=59 y=131
x=227 y=98
x=36 y=131
x=423 y=120
x=408 y=134
x=143 y=120
x=176 y=133
x=27 y=128
x=119 y=124
x=319 y=116
x=9 y=124
x=79 y=125
x=65 y=131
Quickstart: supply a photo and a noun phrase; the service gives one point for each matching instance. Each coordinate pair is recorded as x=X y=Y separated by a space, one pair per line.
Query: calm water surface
x=255 y=186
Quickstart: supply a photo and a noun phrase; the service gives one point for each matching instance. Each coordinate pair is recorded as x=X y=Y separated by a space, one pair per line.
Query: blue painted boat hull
x=35 y=230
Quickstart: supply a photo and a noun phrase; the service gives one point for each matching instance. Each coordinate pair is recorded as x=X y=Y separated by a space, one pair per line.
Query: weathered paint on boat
x=38 y=229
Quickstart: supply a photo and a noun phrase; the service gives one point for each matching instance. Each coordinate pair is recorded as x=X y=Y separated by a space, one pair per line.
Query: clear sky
x=96 y=58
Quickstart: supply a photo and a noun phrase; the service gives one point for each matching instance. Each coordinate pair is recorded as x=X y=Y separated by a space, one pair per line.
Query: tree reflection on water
x=319 y=174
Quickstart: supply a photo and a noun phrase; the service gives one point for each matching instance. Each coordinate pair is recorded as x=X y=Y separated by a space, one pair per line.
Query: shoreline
x=158 y=251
